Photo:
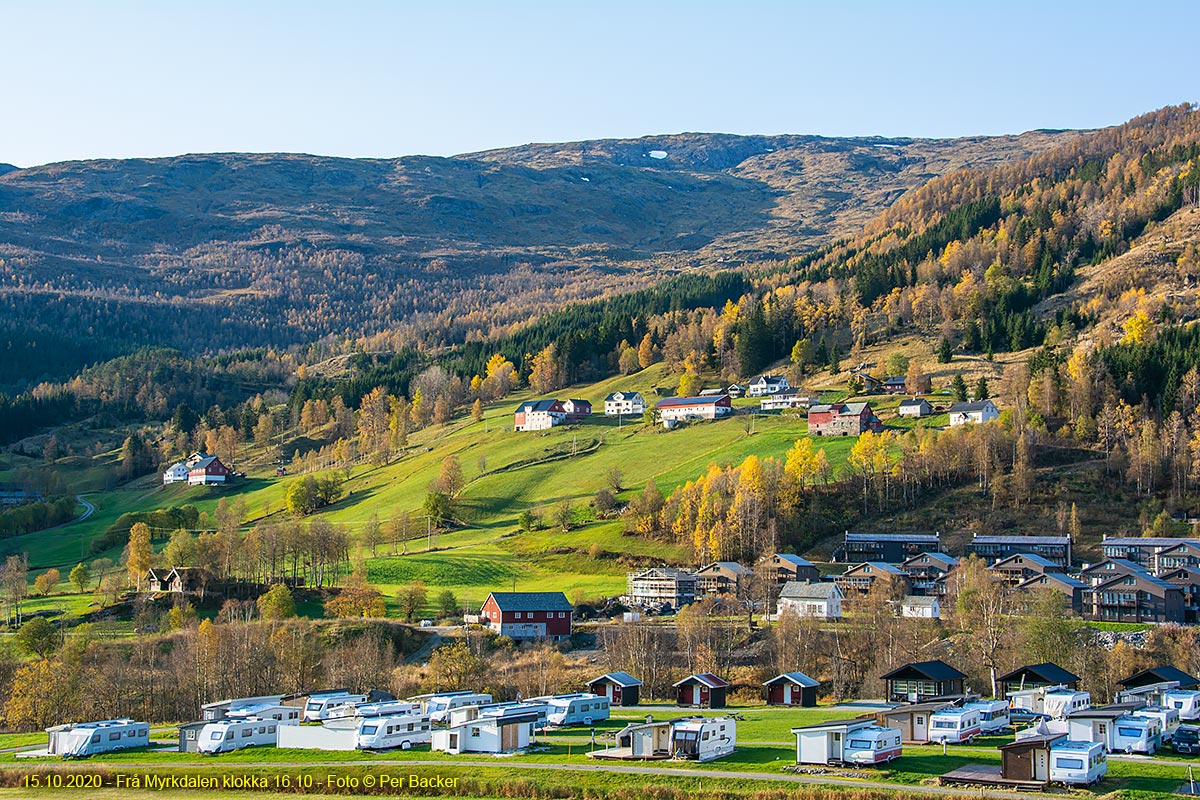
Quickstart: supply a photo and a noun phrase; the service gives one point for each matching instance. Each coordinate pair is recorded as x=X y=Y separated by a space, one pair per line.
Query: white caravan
x=1077 y=763
x=1134 y=733
x=993 y=714
x=225 y=708
x=285 y=715
x=78 y=740
x=438 y=706
x=391 y=731
x=1061 y=703
x=872 y=745
x=226 y=735
x=319 y=707
x=954 y=725
x=467 y=713
x=1185 y=701
x=574 y=709
x=380 y=709
x=704 y=738
x=1168 y=720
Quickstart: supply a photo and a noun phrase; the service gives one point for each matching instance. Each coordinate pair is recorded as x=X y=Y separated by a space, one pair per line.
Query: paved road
x=716 y=775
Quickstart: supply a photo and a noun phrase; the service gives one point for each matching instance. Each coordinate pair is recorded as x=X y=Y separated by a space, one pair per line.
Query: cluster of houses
x=1138 y=580
x=542 y=415
x=198 y=469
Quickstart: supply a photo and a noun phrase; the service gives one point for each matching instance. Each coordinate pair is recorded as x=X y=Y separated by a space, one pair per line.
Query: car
x=426 y=623
x=1186 y=739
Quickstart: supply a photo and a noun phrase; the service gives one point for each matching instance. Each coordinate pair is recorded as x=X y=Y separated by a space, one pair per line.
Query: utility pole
x=428 y=532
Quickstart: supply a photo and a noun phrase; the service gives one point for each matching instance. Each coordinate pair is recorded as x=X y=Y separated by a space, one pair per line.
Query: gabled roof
x=578 y=402
x=1030 y=557
x=896 y=380
x=798 y=678
x=1143 y=577
x=666 y=572
x=920 y=601
x=1019 y=540
x=1160 y=674
x=619 y=678
x=936 y=555
x=807 y=590
x=731 y=566
x=913 y=401
x=930 y=670
x=1123 y=563
x=537 y=405
x=674 y=402
x=792 y=558
x=768 y=379
x=966 y=408
x=1186 y=544
x=532 y=601
x=1065 y=580
x=1043 y=673
x=878 y=566
x=205 y=462
x=619 y=396
x=704 y=678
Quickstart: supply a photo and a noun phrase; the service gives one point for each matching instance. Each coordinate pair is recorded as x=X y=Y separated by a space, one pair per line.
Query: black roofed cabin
x=922 y=681
x=702 y=690
x=792 y=689
x=620 y=688
x=1036 y=676
x=1163 y=674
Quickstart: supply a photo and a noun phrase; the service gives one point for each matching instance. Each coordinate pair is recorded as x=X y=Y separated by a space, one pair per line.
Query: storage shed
x=1028 y=759
x=792 y=689
x=703 y=690
x=620 y=688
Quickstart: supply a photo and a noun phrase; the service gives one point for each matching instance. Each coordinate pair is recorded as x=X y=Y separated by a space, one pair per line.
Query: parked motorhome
x=872 y=745
x=1134 y=733
x=82 y=739
x=1168 y=720
x=387 y=732
x=222 y=708
x=704 y=738
x=438 y=706
x=582 y=708
x=954 y=724
x=1185 y=701
x=1077 y=763
x=1058 y=704
x=226 y=735
x=993 y=714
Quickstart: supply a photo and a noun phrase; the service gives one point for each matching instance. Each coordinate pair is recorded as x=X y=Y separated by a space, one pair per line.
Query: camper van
x=703 y=738
x=392 y=731
x=1168 y=720
x=319 y=705
x=872 y=745
x=574 y=709
x=1185 y=701
x=225 y=735
x=79 y=740
x=1058 y=704
x=382 y=709
x=438 y=706
x=993 y=714
x=953 y=725
x=1134 y=733
x=1077 y=763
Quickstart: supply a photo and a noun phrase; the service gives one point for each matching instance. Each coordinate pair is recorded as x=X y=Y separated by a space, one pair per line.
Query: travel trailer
x=226 y=735
x=319 y=705
x=574 y=709
x=387 y=708
x=438 y=706
x=391 y=731
x=464 y=714
x=286 y=715
x=993 y=714
x=1168 y=720
x=224 y=708
x=872 y=745
x=704 y=738
x=79 y=740
x=486 y=734
x=1053 y=701
x=954 y=725
x=1134 y=733
x=825 y=742
x=1077 y=763
x=1185 y=701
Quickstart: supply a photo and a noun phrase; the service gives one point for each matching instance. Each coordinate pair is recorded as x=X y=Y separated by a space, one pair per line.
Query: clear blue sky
x=114 y=78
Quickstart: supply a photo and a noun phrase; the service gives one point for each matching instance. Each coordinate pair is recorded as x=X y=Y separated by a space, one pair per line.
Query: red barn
x=206 y=471
x=842 y=419
x=529 y=615
x=703 y=690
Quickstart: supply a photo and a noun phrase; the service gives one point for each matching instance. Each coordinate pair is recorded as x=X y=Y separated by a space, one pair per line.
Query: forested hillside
x=207 y=252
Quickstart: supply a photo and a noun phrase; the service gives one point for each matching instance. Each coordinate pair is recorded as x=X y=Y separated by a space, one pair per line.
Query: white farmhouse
x=176 y=473
x=916 y=407
x=921 y=607
x=977 y=412
x=624 y=404
x=768 y=384
x=822 y=600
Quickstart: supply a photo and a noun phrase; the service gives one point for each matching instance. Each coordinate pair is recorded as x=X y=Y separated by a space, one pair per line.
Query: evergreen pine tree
x=959 y=387
x=945 y=354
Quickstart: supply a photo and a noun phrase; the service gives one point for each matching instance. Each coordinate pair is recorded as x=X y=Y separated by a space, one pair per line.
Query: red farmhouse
x=529 y=615
x=842 y=419
x=207 y=470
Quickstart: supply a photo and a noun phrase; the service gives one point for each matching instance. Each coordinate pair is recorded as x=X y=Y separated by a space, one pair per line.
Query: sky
x=118 y=79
